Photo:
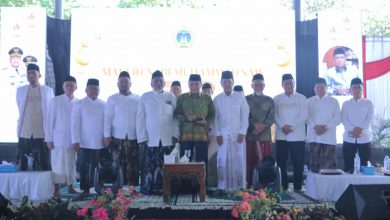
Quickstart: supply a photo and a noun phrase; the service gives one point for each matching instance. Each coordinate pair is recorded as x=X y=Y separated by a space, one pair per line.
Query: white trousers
x=63 y=165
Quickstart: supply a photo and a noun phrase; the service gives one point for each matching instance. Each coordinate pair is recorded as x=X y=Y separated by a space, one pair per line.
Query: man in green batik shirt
x=195 y=111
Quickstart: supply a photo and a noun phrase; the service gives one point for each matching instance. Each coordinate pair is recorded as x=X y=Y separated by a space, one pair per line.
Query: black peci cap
x=227 y=75
x=93 y=82
x=71 y=79
x=157 y=73
x=32 y=66
x=258 y=76
x=124 y=74
x=355 y=81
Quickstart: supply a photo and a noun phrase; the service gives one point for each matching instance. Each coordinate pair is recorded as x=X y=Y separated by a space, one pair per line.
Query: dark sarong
x=322 y=156
x=152 y=171
x=125 y=152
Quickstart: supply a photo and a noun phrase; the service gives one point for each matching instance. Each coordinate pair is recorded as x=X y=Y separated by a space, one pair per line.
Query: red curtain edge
x=375 y=69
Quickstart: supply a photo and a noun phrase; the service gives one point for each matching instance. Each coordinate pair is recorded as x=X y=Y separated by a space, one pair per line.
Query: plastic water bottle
x=177 y=153
x=386 y=164
x=357 y=164
x=188 y=154
x=30 y=162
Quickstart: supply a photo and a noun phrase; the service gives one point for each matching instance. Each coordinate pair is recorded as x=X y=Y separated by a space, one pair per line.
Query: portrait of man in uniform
x=15 y=71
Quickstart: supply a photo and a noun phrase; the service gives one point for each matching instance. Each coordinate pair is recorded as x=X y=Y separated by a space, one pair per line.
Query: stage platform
x=185 y=206
x=188 y=205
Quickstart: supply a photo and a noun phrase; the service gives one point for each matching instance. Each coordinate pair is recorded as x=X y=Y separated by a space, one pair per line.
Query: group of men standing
x=320 y=115
x=157 y=120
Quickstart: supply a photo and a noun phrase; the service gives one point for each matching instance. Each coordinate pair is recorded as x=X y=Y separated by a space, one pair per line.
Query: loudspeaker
x=362 y=202
x=4 y=210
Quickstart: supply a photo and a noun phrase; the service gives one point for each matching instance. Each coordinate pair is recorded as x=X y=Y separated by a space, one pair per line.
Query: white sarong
x=231 y=164
x=63 y=165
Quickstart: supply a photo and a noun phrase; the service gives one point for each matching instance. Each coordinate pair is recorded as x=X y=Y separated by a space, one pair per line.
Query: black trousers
x=349 y=151
x=36 y=148
x=125 y=153
x=297 y=151
x=201 y=155
x=89 y=159
x=201 y=149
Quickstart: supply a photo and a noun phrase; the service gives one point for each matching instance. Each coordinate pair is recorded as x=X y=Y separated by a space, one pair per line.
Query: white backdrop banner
x=23 y=41
x=180 y=42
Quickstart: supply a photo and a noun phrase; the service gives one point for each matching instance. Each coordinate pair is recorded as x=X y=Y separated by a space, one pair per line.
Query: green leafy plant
x=317 y=212
x=381 y=131
x=53 y=208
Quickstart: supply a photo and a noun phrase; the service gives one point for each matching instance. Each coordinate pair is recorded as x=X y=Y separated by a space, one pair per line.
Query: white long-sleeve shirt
x=357 y=113
x=120 y=116
x=87 y=123
x=231 y=114
x=46 y=94
x=59 y=121
x=323 y=111
x=155 y=119
x=291 y=110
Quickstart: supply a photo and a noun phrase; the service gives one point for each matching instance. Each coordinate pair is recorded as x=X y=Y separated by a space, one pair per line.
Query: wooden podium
x=185 y=171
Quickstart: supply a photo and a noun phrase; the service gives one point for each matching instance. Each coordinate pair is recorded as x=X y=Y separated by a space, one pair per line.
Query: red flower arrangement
x=259 y=205
x=254 y=205
x=109 y=206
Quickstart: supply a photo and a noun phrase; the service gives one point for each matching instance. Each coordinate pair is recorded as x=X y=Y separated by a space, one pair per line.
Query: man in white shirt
x=238 y=88
x=291 y=113
x=58 y=137
x=324 y=116
x=341 y=74
x=158 y=130
x=176 y=88
x=120 y=130
x=357 y=116
x=206 y=89
x=87 y=133
x=230 y=127
x=33 y=102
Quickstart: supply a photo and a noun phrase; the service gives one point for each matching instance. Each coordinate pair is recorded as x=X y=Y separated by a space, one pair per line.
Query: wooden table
x=185 y=171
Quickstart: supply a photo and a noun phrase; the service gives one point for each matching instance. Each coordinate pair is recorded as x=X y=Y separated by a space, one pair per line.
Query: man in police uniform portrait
x=29 y=59
x=16 y=72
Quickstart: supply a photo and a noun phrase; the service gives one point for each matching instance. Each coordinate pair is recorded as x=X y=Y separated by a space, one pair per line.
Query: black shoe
x=146 y=192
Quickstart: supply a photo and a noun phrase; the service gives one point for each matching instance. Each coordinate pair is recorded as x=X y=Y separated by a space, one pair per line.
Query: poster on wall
x=22 y=41
x=340 y=49
x=340 y=53
x=178 y=42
